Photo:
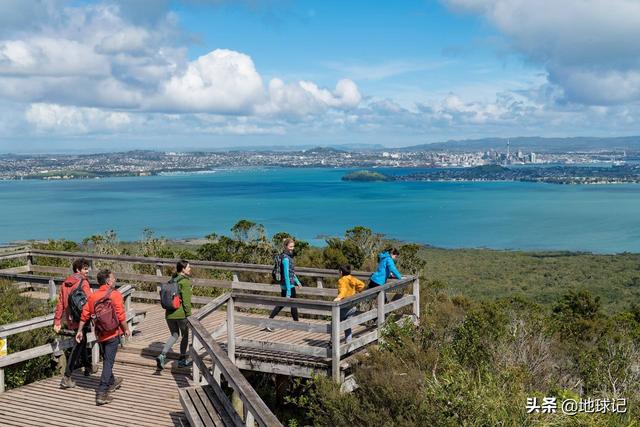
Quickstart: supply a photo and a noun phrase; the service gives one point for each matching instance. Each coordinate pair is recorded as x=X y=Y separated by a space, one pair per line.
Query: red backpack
x=104 y=317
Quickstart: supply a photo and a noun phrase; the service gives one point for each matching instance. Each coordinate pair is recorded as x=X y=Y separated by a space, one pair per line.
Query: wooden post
x=95 y=352
x=127 y=308
x=158 y=270
x=416 y=303
x=30 y=263
x=380 y=310
x=319 y=282
x=335 y=343
x=216 y=373
x=195 y=347
x=235 y=277
x=237 y=403
x=52 y=290
x=3 y=352
x=250 y=421
x=231 y=333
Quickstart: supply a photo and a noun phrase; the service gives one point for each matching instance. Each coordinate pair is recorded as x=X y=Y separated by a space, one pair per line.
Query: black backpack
x=77 y=300
x=276 y=272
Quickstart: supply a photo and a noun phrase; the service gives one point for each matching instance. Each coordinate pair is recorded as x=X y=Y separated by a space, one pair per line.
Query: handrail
x=255 y=408
x=212 y=306
x=369 y=293
x=16 y=254
x=216 y=283
x=231 y=266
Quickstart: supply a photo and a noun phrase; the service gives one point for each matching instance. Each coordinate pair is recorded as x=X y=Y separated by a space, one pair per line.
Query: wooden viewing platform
x=228 y=336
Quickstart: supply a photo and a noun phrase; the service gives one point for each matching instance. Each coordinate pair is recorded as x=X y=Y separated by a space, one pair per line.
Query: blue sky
x=197 y=74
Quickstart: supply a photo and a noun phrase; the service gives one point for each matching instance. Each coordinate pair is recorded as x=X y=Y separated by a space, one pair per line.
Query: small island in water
x=366 y=176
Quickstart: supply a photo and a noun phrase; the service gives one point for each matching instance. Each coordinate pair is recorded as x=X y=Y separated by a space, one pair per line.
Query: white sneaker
x=268 y=329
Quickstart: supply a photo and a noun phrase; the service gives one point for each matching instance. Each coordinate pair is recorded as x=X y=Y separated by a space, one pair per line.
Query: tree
x=365 y=239
x=248 y=231
x=410 y=260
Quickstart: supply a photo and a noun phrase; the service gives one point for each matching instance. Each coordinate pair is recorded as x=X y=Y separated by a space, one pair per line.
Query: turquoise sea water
x=315 y=202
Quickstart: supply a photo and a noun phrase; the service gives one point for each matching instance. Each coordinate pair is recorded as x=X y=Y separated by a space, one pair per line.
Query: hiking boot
x=67 y=382
x=117 y=383
x=184 y=363
x=160 y=361
x=87 y=371
x=103 y=398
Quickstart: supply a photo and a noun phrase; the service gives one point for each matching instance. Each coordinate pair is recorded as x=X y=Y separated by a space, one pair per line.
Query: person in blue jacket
x=289 y=281
x=386 y=267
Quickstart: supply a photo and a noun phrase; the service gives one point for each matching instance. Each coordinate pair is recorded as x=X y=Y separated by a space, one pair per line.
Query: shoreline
x=198 y=241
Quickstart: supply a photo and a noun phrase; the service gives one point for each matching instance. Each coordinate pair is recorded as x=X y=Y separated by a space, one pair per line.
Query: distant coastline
x=625 y=174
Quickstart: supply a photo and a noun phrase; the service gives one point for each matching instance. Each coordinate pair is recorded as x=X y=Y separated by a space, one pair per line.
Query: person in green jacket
x=177 y=319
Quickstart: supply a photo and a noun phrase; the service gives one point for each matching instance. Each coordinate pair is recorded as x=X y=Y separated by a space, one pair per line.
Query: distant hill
x=536 y=144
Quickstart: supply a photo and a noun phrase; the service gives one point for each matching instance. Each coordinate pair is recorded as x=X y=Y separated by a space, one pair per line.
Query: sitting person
x=347 y=286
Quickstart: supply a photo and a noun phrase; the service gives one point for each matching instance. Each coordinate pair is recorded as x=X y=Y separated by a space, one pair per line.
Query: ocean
x=314 y=203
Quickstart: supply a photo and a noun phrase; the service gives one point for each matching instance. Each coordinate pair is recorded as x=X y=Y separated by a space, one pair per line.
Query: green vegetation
x=13 y=308
x=542 y=277
x=366 y=176
x=476 y=364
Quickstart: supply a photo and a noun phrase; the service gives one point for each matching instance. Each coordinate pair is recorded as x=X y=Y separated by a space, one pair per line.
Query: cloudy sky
x=194 y=74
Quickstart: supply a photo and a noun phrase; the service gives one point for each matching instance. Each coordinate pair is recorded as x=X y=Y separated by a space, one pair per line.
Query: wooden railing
x=318 y=273
x=253 y=409
x=59 y=344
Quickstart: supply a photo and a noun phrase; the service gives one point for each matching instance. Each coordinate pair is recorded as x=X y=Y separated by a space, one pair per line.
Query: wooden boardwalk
x=148 y=397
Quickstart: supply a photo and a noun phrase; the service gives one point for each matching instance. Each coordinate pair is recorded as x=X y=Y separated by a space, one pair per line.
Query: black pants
x=372 y=285
x=294 y=310
x=79 y=351
x=108 y=350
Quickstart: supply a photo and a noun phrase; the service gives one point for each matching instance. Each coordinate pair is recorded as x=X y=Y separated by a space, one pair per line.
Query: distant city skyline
x=93 y=76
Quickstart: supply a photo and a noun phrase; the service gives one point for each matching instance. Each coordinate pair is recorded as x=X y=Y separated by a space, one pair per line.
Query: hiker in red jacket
x=106 y=307
x=79 y=350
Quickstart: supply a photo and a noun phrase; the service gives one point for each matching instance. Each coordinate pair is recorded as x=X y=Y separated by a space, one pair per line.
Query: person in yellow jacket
x=347 y=286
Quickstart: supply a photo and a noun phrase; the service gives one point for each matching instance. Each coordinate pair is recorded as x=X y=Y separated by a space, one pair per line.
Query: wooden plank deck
x=146 y=398
x=149 y=397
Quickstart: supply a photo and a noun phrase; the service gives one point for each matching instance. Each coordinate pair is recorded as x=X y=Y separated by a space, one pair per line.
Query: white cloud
x=223 y=81
x=303 y=97
x=73 y=120
x=589 y=47
x=46 y=56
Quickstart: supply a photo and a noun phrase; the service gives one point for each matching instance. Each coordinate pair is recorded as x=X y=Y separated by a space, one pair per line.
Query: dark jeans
x=294 y=310
x=177 y=327
x=345 y=313
x=372 y=285
x=79 y=351
x=108 y=350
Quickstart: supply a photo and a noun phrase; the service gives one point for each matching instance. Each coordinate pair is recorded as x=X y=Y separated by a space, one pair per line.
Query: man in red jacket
x=79 y=350
x=106 y=307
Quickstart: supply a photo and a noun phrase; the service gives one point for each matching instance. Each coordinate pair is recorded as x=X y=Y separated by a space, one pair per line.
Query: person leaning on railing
x=386 y=268
x=177 y=319
x=347 y=286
